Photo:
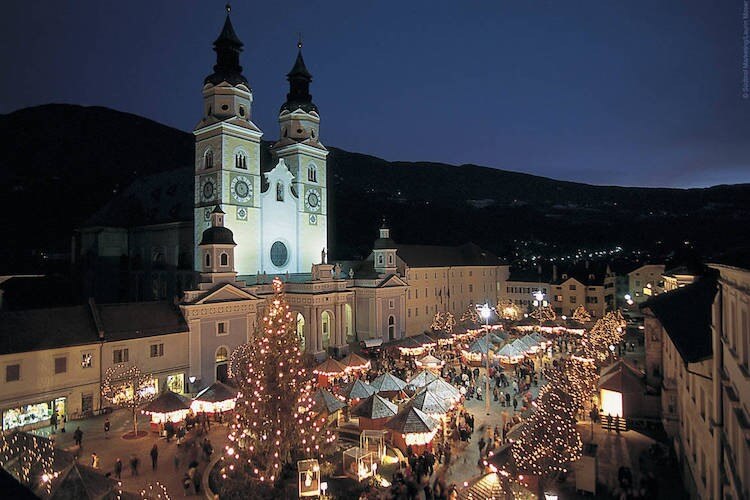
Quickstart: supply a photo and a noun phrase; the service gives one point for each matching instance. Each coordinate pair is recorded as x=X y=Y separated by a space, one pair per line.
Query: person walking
x=118 y=468
x=53 y=421
x=154 y=456
x=106 y=428
x=515 y=404
x=134 y=465
x=186 y=482
x=507 y=399
x=176 y=460
x=78 y=437
x=94 y=460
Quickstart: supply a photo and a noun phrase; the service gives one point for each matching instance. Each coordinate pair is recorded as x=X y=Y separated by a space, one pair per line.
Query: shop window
x=12 y=373
x=157 y=350
x=176 y=383
x=120 y=356
x=87 y=403
x=87 y=360
x=61 y=365
x=222 y=328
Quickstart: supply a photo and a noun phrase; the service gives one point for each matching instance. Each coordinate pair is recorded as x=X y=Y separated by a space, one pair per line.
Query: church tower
x=227 y=155
x=305 y=156
x=216 y=251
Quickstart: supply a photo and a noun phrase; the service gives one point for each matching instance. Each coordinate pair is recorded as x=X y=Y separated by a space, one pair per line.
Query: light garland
x=607 y=331
x=29 y=458
x=127 y=386
x=274 y=423
x=509 y=310
x=581 y=315
x=155 y=491
x=470 y=317
x=543 y=313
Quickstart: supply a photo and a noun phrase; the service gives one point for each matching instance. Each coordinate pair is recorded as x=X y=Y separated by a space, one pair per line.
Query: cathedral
x=278 y=218
x=252 y=221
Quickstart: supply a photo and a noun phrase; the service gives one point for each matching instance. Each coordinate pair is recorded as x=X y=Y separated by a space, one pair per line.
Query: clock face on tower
x=208 y=189
x=312 y=201
x=242 y=189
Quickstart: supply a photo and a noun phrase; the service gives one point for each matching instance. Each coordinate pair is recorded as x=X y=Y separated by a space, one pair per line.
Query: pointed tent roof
x=412 y=420
x=354 y=361
x=443 y=389
x=388 y=382
x=510 y=351
x=422 y=379
x=324 y=400
x=490 y=486
x=538 y=337
x=167 y=402
x=216 y=393
x=82 y=482
x=520 y=345
x=329 y=367
x=375 y=407
x=480 y=346
x=357 y=390
x=228 y=35
x=529 y=341
x=429 y=402
x=430 y=360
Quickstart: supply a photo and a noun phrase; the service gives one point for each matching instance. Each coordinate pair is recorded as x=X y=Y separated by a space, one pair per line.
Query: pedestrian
x=118 y=468
x=78 y=436
x=176 y=461
x=134 y=465
x=186 y=481
x=106 y=428
x=197 y=481
x=507 y=399
x=154 y=456
x=53 y=420
x=515 y=404
x=94 y=460
x=481 y=444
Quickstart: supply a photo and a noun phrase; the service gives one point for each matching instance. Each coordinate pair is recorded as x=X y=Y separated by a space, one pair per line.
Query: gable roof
x=412 y=420
x=375 y=407
x=468 y=254
x=685 y=314
x=224 y=292
x=37 y=329
x=140 y=319
x=587 y=273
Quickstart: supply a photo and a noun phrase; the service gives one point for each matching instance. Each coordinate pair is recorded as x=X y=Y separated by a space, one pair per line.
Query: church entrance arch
x=222 y=364
x=348 y=330
x=301 y=331
x=391 y=328
x=326 y=320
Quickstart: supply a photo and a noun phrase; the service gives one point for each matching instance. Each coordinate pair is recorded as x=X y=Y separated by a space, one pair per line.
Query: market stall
x=359 y=464
x=388 y=385
x=510 y=354
x=430 y=362
x=476 y=352
x=216 y=398
x=328 y=405
x=444 y=390
x=374 y=412
x=354 y=363
x=412 y=427
x=422 y=378
x=168 y=406
x=327 y=370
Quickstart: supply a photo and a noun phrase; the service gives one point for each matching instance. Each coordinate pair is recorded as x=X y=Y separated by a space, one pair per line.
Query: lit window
x=87 y=360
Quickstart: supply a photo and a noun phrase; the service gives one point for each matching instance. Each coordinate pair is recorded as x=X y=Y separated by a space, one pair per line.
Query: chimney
x=554 y=273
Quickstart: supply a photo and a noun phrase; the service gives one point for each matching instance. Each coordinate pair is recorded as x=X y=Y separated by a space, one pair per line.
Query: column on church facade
x=316 y=341
x=339 y=325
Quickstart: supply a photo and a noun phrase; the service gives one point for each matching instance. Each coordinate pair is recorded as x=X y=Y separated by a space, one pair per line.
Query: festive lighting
x=581 y=315
x=155 y=491
x=508 y=310
x=28 y=457
x=470 y=317
x=606 y=332
x=274 y=421
x=127 y=386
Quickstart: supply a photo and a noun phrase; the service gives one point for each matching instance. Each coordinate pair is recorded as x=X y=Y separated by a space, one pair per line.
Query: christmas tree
x=606 y=332
x=549 y=441
x=507 y=309
x=470 y=317
x=274 y=420
x=581 y=315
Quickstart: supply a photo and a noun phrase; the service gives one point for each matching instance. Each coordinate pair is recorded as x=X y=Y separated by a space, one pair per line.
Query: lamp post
x=485 y=312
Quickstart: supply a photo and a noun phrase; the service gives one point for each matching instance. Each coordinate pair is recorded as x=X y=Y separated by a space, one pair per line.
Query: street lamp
x=485 y=312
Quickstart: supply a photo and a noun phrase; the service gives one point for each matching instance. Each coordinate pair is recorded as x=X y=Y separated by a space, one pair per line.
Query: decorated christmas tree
x=581 y=315
x=274 y=422
x=575 y=376
x=507 y=309
x=470 y=317
x=543 y=313
x=606 y=333
x=549 y=441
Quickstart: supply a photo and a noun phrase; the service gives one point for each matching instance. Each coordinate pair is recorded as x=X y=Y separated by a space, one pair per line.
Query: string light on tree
x=470 y=317
x=274 y=423
x=581 y=315
x=507 y=309
x=127 y=386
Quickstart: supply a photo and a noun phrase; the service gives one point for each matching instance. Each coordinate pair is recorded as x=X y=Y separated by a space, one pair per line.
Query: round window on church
x=279 y=254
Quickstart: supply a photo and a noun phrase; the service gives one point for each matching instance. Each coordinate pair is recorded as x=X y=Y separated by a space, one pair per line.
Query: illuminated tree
x=438 y=323
x=549 y=440
x=274 y=420
x=543 y=313
x=581 y=315
x=126 y=386
x=444 y=322
x=606 y=332
x=470 y=317
x=575 y=376
x=507 y=309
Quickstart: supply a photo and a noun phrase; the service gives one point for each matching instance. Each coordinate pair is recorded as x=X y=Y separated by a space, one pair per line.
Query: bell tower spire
x=227 y=154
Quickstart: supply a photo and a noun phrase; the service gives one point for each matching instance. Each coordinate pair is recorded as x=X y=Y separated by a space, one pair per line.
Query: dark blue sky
x=641 y=92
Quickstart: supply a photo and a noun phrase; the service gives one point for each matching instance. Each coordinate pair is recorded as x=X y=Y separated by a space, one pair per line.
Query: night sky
x=645 y=93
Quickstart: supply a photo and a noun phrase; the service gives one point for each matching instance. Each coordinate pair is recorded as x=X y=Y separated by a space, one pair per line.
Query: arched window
x=390 y=259
x=312 y=173
x=240 y=160
x=224 y=259
x=391 y=328
x=380 y=259
x=279 y=191
x=222 y=364
x=208 y=260
x=208 y=159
